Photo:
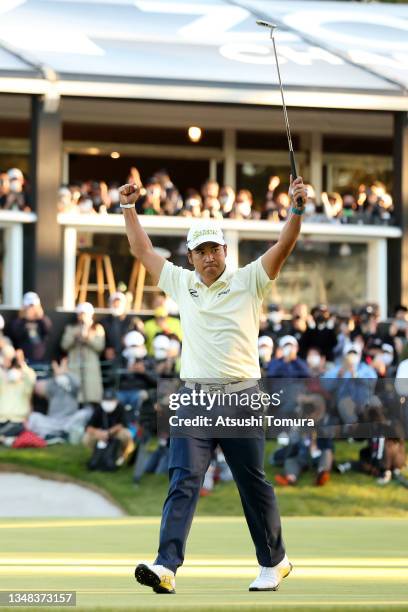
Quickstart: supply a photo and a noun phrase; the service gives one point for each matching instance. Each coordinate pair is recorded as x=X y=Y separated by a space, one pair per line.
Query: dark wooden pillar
x=46 y=164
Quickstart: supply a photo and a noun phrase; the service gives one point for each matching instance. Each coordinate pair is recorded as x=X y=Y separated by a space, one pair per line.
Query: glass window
x=316 y=272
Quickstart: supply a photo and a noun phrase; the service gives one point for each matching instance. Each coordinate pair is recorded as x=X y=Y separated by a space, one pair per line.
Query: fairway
x=350 y=563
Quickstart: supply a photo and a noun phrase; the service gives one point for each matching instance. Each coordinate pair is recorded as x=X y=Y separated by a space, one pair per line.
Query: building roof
x=332 y=54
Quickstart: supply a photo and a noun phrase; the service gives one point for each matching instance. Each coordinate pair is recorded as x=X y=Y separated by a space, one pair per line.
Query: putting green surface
x=339 y=563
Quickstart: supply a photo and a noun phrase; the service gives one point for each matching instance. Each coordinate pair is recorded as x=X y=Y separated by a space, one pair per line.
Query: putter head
x=266 y=24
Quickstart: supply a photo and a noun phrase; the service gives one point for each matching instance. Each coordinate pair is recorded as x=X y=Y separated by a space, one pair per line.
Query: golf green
x=339 y=563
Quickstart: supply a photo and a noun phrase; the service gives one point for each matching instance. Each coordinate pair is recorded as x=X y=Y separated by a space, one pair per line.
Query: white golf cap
x=388 y=348
x=118 y=295
x=288 y=340
x=205 y=231
x=134 y=338
x=15 y=173
x=85 y=308
x=265 y=341
x=31 y=299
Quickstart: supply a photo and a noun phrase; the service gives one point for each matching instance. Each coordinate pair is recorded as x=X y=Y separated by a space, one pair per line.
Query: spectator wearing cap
x=161 y=324
x=289 y=365
x=226 y=200
x=137 y=374
x=108 y=421
x=166 y=352
x=265 y=349
x=116 y=325
x=16 y=386
x=30 y=330
x=84 y=342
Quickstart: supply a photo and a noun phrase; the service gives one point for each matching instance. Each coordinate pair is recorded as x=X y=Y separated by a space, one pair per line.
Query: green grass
x=339 y=564
x=348 y=495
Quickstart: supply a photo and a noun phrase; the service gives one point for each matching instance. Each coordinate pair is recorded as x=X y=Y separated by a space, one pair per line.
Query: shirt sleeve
x=171 y=279
x=257 y=279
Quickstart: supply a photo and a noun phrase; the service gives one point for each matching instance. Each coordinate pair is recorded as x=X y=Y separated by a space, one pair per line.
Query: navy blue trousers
x=189 y=460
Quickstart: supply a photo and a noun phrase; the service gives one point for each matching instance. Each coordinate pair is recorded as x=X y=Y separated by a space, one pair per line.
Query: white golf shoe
x=158 y=577
x=269 y=578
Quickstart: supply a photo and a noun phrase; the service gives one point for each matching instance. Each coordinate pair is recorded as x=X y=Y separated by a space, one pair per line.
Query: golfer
x=219 y=313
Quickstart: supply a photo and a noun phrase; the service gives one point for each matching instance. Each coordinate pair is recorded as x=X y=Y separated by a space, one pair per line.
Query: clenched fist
x=129 y=193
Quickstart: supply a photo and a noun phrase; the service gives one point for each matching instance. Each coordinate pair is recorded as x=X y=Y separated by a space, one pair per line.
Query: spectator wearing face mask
x=116 y=325
x=166 y=352
x=16 y=198
x=137 y=372
x=16 y=386
x=85 y=205
x=351 y=384
x=162 y=323
x=276 y=328
x=192 y=204
x=30 y=330
x=243 y=205
x=150 y=203
x=84 y=341
x=63 y=415
x=109 y=421
x=227 y=200
x=289 y=365
x=320 y=333
x=265 y=350
x=65 y=202
x=211 y=208
x=380 y=357
x=316 y=362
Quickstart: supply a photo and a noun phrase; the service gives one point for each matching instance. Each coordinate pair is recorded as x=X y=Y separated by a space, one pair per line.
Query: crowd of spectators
x=371 y=204
x=101 y=386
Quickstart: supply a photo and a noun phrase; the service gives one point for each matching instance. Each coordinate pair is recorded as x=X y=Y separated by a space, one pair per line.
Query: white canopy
x=332 y=54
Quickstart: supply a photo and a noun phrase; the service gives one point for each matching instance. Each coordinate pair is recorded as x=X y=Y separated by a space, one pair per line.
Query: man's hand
x=297 y=190
x=129 y=193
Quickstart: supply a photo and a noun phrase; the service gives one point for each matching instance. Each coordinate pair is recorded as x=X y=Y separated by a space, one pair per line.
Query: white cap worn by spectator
x=205 y=231
x=133 y=338
x=2 y=323
x=31 y=299
x=15 y=173
x=265 y=341
x=288 y=340
x=118 y=295
x=85 y=308
x=161 y=345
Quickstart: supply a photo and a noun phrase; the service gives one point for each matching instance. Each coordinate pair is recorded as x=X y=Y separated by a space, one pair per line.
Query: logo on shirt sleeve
x=193 y=292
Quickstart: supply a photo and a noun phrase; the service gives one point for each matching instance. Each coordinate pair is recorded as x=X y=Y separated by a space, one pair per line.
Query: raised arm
x=140 y=243
x=275 y=257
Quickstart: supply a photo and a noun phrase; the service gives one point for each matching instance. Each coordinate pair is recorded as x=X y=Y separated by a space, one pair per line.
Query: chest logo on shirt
x=193 y=292
x=223 y=292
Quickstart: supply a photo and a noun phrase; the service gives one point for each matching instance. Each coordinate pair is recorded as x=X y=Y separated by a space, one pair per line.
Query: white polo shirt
x=220 y=323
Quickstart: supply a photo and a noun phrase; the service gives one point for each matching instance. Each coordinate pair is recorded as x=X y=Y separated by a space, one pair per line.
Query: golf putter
x=293 y=169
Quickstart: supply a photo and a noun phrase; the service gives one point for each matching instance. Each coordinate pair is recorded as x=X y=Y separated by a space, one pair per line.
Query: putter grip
x=293 y=171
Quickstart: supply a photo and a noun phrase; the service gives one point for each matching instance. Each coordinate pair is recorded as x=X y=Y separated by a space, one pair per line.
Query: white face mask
x=109 y=405
x=387 y=359
x=114 y=195
x=274 y=317
x=135 y=352
x=15 y=186
x=309 y=208
x=85 y=206
x=287 y=350
x=118 y=311
x=244 y=209
x=313 y=361
x=14 y=375
x=265 y=353
x=353 y=359
x=160 y=354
